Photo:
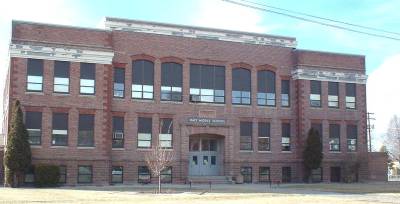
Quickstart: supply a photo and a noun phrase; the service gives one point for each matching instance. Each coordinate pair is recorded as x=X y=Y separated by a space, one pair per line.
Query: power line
x=313 y=21
x=323 y=18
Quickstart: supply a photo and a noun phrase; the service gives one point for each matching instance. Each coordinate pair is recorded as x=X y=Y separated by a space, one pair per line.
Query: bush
x=47 y=175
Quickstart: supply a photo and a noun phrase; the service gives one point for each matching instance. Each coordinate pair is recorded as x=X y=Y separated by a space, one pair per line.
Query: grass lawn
x=232 y=194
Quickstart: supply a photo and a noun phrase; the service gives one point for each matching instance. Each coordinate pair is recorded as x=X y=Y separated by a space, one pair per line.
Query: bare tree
x=157 y=160
x=392 y=138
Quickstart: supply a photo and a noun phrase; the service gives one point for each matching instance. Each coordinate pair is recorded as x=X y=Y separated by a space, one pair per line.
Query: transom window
x=246 y=134
x=88 y=79
x=334 y=137
x=285 y=93
x=144 y=132
x=118 y=132
x=86 y=130
x=350 y=96
x=61 y=77
x=266 y=88
x=34 y=75
x=352 y=138
x=315 y=93
x=241 y=86
x=166 y=132
x=207 y=83
x=264 y=142
x=285 y=136
x=333 y=94
x=119 y=82
x=142 y=79
x=60 y=129
x=171 y=81
x=33 y=123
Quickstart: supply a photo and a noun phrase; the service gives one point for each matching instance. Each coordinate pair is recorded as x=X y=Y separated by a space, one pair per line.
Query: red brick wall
x=378 y=166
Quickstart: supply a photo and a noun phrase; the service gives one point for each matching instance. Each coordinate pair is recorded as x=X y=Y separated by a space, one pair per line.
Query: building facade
x=226 y=103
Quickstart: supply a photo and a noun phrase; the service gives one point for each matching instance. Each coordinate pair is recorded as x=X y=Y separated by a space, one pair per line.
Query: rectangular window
x=144 y=175
x=352 y=138
x=118 y=132
x=171 y=81
x=247 y=174
x=286 y=174
x=318 y=128
x=285 y=136
x=33 y=123
x=264 y=136
x=264 y=175
x=61 y=77
x=85 y=174
x=246 y=134
x=285 y=93
x=316 y=175
x=315 y=93
x=34 y=75
x=166 y=175
x=86 y=130
x=166 y=132
x=60 y=129
x=266 y=93
x=207 y=83
x=87 y=78
x=142 y=79
x=63 y=174
x=333 y=94
x=350 y=96
x=117 y=174
x=241 y=86
x=334 y=137
x=144 y=132
x=119 y=82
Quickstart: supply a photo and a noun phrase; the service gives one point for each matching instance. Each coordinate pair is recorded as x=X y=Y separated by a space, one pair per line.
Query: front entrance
x=205 y=155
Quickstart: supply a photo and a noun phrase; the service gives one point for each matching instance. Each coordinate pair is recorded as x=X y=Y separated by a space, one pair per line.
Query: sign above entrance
x=206 y=121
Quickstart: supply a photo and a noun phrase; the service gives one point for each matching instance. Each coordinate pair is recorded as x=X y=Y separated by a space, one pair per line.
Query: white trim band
x=324 y=75
x=60 y=53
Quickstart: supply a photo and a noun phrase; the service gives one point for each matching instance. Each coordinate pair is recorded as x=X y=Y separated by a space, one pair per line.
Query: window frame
x=115 y=130
x=333 y=139
x=163 y=180
x=142 y=84
x=314 y=93
x=243 y=91
x=173 y=90
x=31 y=62
x=286 y=178
x=282 y=93
x=92 y=131
x=332 y=98
x=112 y=174
x=245 y=123
x=53 y=131
x=63 y=175
x=351 y=138
x=270 y=96
x=115 y=89
x=267 y=136
x=31 y=130
x=89 y=174
x=83 y=64
x=143 y=119
x=171 y=133
x=350 y=99
x=288 y=136
x=261 y=174
x=68 y=85
x=245 y=173
x=214 y=93
x=144 y=181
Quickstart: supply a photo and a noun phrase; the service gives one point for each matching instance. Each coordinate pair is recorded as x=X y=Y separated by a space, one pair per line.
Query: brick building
x=227 y=103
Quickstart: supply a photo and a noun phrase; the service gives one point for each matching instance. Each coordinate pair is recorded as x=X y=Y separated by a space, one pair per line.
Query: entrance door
x=203 y=157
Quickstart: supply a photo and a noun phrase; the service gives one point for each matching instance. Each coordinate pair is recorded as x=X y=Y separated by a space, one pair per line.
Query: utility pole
x=369 y=127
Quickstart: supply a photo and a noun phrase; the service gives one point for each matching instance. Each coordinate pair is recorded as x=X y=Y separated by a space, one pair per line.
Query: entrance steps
x=208 y=179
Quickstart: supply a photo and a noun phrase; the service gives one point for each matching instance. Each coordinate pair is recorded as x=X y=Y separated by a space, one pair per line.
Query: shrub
x=47 y=175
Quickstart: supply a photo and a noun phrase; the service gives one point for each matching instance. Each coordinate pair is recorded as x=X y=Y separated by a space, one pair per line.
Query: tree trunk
x=159 y=183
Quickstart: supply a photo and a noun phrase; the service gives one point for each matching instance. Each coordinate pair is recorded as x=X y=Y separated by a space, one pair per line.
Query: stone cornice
x=48 y=52
x=325 y=75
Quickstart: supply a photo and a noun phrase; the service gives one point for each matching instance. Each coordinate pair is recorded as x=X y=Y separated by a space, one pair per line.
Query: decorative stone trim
x=60 y=53
x=324 y=75
x=198 y=32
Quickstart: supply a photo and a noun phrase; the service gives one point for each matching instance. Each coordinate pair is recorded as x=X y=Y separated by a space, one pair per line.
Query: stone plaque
x=206 y=121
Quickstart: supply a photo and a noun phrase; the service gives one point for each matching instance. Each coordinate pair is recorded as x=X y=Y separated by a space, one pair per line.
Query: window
x=166 y=132
x=118 y=132
x=333 y=94
x=334 y=137
x=117 y=174
x=315 y=93
x=350 y=96
x=285 y=136
x=63 y=174
x=351 y=138
x=207 y=83
x=33 y=123
x=171 y=81
x=264 y=137
x=29 y=175
x=60 y=129
x=144 y=132
x=246 y=129
x=166 y=175
x=318 y=128
x=286 y=174
x=88 y=79
x=266 y=88
x=144 y=175
x=119 y=82
x=264 y=174
x=85 y=174
x=316 y=175
x=285 y=93
x=61 y=77
x=142 y=79
x=34 y=75
x=247 y=174
x=241 y=86
x=86 y=130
